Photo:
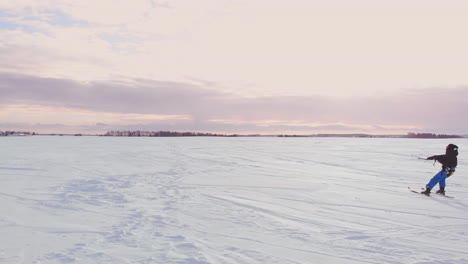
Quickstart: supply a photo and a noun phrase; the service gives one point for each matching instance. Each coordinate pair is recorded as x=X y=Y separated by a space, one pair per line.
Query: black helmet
x=452 y=150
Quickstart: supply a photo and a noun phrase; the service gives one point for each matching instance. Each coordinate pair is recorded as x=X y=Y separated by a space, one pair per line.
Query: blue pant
x=438 y=178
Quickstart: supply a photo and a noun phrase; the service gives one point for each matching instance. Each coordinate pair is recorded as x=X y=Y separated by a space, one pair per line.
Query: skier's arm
x=435 y=157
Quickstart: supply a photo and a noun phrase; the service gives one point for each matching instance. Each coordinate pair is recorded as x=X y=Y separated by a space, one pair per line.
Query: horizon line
x=166 y=133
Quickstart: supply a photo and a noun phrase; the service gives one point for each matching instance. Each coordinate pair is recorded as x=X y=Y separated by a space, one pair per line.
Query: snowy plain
x=213 y=200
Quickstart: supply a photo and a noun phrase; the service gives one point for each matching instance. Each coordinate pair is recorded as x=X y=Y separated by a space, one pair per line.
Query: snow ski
x=409 y=188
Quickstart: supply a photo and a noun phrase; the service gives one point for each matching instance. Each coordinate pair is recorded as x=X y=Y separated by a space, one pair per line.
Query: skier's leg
x=436 y=179
x=442 y=182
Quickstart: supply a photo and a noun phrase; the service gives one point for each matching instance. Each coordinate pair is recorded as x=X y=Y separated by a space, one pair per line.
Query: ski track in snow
x=227 y=201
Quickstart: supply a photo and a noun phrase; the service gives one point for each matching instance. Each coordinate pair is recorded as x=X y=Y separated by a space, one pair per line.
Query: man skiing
x=449 y=164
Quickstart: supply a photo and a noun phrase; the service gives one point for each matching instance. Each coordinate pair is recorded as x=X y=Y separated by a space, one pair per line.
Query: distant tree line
x=16 y=133
x=330 y=135
x=430 y=135
x=163 y=134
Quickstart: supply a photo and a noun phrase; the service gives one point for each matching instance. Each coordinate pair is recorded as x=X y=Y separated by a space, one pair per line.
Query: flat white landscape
x=219 y=200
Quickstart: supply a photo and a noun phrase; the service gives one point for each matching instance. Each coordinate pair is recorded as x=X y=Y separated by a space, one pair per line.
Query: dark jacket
x=449 y=160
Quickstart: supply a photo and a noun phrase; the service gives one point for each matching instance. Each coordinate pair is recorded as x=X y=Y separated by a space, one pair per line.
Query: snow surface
x=228 y=200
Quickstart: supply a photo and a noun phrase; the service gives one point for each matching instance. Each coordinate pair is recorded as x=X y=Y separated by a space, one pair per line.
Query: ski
x=443 y=195
x=409 y=188
x=446 y=196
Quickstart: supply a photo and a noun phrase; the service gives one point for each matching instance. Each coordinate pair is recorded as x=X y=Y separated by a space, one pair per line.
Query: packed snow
x=200 y=200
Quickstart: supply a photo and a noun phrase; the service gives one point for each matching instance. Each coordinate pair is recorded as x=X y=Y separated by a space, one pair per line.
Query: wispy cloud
x=237 y=65
x=299 y=47
x=149 y=103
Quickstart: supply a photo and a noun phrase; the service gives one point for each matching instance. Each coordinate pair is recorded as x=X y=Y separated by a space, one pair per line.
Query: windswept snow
x=228 y=201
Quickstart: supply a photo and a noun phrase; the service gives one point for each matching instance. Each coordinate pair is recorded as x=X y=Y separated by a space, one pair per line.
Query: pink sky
x=234 y=66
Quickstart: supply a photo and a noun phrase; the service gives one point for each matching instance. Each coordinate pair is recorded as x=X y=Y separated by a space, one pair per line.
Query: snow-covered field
x=228 y=201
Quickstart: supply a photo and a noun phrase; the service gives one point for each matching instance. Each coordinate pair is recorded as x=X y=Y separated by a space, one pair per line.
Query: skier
x=449 y=164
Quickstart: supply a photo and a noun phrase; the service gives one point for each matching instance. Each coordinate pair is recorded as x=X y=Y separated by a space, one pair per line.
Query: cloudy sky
x=234 y=66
